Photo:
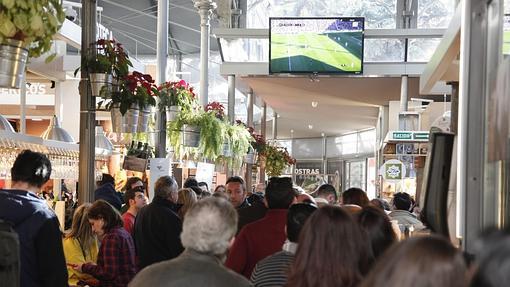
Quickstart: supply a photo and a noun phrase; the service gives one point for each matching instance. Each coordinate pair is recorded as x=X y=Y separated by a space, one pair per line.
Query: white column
x=162 y=59
x=403 y=94
x=23 y=106
x=205 y=8
x=275 y=125
x=67 y=106
x=231 y=98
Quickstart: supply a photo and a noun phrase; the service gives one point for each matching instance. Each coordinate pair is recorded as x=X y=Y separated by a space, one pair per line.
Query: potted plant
x=107 y=66
x=184 y=132
x=212 y=131
x=176 y=96
x=277 y=159
x=26 y=30
x=239 y=142
x=137 y=95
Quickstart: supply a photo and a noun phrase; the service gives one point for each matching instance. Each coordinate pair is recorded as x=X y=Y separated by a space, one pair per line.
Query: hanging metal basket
x=226 y=151
x=172 y=113
x=143 y=119
x=117 y=119
x=101 y=85
x=250 y=157
x=190 y=136
x=131 y=122
x=13 y=59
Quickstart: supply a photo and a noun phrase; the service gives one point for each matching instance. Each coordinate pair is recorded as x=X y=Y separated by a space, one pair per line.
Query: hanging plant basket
x=143 y=119
x=190 y=136
x=131 y=123
x=250 y=157
x=101 y=85
x=13 y=59
x=226 y=151
x=118 y=120
x=172 y=113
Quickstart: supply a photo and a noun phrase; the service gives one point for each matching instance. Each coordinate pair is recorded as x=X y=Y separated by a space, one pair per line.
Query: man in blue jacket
x=41 y=252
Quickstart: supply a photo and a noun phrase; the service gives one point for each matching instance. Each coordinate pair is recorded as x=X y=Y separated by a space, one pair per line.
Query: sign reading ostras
x=302 y=171
x=33 y=89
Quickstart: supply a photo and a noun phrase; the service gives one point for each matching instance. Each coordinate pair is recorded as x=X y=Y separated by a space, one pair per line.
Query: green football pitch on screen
x=312 y=52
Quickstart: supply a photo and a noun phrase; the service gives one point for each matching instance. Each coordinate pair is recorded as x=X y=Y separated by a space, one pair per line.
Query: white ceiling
x=345 y=104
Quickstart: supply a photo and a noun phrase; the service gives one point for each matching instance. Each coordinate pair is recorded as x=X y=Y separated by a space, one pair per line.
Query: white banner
x=205 y=173
x=159 y=167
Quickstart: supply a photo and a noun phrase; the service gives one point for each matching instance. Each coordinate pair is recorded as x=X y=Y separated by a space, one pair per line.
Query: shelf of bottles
x=64 y=157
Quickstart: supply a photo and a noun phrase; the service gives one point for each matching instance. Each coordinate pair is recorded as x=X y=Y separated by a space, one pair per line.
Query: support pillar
x=205 y=8
x=231 y=98
x=23 y=106
x=162 y=60
x=275 y=125
x=454 y=107
x=249 y=122
x=86 y=184
x=404 y=106
x=262 y=169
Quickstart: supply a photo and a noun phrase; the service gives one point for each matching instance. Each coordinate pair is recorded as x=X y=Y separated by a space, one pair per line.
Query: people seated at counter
x=425 y=261
x=332 y=251
x=157 y=226
x=80 y=246
x=402 y=205
x=327 y=192
x=41 y=256
x=355 y=196
x=208 y=230
x=273 y=270
x=116 y=263
x=136 y=200
x=266 y=236
x=106 y=191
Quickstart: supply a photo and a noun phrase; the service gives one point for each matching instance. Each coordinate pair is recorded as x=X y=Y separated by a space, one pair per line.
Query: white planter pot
x=172 y=112
x=131 y=121
x=101 y=85
x=190 y=136
x=117 y=119
x=143 y=119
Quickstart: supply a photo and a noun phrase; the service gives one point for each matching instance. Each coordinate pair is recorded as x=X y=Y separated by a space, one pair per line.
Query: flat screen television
x=332 y=45
x=436 y=179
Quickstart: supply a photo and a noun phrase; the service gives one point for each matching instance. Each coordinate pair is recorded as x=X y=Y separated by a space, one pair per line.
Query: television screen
x=436 y=180
x=316 y=45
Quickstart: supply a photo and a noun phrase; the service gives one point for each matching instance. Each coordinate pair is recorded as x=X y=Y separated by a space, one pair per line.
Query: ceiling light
x=5 y=125
x=315 y=104
x=310 y=126
x=55 y=132
x=291 y=131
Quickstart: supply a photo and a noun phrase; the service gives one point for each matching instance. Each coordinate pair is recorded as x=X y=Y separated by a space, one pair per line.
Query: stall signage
x=402 y=135
x=300 y=171
x=421 y=136
x=393 y=170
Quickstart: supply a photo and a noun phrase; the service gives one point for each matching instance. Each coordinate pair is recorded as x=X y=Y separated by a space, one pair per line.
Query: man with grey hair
x=158 y=227
x=208 y=231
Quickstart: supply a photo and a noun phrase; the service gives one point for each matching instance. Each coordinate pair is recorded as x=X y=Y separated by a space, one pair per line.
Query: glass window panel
x=366 y=142
x=421 y=50
x=349 y=144
x=378 y=13
x=506 y=5
x=245 y=50
x=384 y=50
x=435 y=13
x=307 y=148
x=506 y=31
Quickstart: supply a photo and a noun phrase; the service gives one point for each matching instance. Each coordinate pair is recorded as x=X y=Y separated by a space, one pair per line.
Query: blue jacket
x=41 y=251
x=107 y=193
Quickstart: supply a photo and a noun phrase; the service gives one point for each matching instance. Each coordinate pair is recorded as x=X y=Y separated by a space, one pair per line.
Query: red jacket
x=256 y=241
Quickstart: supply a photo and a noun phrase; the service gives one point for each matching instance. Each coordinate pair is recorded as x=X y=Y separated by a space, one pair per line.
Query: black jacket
x=41 y=251
x=157 y=232
x=108 y=193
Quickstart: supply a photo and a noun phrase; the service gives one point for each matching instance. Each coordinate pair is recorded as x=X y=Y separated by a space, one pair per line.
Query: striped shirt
x=273 y=270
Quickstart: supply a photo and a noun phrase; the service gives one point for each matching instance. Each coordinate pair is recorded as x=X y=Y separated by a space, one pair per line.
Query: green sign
x=393 y=171
x=421 y=136
x=402 y=135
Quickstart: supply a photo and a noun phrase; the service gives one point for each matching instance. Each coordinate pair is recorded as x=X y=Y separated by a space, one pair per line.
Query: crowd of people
x=191 y=237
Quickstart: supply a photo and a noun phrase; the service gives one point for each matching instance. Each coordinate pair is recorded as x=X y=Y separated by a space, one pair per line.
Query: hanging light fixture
x=102 y=141
x=5 y=125
x=55 y=132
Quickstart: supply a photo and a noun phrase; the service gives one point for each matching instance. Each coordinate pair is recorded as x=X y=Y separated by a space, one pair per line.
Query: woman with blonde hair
x=80 y=246
x=187 y=197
